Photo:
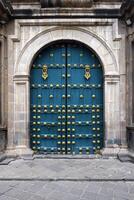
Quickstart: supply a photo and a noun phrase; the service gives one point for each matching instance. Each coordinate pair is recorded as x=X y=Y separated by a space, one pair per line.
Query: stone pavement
x=66 y=190
x=67 y=179
x=74 y=169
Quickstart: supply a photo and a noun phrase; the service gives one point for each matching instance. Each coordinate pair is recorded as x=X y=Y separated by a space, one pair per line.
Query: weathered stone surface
x=3 y=139
x=66 y=3
x=68 y=169
x=49 y=185
x=106 y=36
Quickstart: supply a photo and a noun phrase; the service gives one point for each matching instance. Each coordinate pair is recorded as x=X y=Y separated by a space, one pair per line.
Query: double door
x=66 y=101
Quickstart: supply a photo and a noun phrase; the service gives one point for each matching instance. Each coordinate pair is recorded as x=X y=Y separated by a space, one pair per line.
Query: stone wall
x=3 y=139
x=3 y=89
x=127 y=11
x=26 y=36
x=130 y=86
x=66 y=3
x=103 y=36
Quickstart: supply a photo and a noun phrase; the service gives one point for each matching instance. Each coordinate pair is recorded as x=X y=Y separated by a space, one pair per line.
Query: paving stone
x=45 y=192
x=130 y=187
x=8 y=183
x=69 y=191
x=122 y=198
x=4 y=188
x=93 y=187
x=31 y=186
x=104 y=197
x=89 y=195
x=68 y=168
x=62 y=196
x=61 y=188
x=121 y=186
x=19 y=194
x=123 y=195
x=77 y=191
x=106 y=191
x=3 y=197
x=37 y=197
x=108 y=185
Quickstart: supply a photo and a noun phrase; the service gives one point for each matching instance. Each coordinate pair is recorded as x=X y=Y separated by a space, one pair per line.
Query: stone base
x=126 y=155
x=2 y=156
x=22 y=152
x=110 y=152
x=123 y=154
x=131 y=155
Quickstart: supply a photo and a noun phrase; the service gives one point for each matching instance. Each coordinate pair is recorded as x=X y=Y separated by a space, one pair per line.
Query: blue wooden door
x=66 y=101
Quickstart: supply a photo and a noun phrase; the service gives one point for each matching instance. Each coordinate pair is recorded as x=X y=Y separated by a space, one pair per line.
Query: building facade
x=66 y=87
x=127 y=12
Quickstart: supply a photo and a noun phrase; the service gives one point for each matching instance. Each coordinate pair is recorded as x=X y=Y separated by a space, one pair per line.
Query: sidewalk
x=74 y=169
x=67 y=179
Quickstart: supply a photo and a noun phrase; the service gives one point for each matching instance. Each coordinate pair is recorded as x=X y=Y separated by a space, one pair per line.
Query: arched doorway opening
x=66 y=100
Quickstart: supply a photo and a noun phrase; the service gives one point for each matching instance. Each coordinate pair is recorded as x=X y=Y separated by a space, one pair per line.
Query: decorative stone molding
x=66 y=3
x=112 y=78
x=21 y=78
x=46 y=37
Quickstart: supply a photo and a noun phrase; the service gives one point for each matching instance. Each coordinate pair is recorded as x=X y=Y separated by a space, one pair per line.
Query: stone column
x=112 y=115
x=21 y=136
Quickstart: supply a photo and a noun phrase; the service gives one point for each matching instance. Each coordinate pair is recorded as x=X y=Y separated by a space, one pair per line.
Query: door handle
x=44 y=72
x=87 y=72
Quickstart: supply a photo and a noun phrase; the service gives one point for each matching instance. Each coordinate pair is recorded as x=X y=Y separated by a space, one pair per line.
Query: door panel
x=85 y=94
x=46 y=99
x=66 y=101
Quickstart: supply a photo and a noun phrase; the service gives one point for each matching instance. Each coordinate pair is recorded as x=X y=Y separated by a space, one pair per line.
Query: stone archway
x=21 y=82
x=88 y=38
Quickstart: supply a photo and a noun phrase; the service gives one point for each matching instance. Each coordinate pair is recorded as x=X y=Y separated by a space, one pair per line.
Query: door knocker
x=87 y=72
x=45 y=72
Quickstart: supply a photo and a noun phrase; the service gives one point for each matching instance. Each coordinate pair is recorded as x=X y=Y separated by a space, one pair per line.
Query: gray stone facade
x=30 y=25
x=127 y=11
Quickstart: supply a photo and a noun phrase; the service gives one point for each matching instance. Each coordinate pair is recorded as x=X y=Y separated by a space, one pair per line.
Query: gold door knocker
x=87 y=72
x=44 y=72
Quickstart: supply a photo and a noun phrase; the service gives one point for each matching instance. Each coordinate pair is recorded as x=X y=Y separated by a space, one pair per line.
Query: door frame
x=20 y=123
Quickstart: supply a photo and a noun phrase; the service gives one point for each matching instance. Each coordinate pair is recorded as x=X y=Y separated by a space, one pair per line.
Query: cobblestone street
x=62 y=179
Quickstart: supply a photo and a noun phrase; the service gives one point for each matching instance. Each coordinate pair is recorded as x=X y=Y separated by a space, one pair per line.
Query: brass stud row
x=69 y=122
x=68 y=106
x=63 y=65
x=69 y=85
x=63 y=136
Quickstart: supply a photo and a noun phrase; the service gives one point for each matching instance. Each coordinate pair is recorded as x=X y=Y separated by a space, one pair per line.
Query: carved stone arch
x=88 y=38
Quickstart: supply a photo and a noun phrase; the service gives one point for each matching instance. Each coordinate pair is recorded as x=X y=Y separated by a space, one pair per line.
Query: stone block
x=3 y=139
x=130 y=138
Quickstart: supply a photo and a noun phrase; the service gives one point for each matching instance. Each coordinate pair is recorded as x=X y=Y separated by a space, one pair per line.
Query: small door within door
x=66 y=101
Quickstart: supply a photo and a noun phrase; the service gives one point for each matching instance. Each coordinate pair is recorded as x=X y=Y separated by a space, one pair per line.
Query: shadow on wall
x=3 y=139
x=130 y=138
x=66 y=3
